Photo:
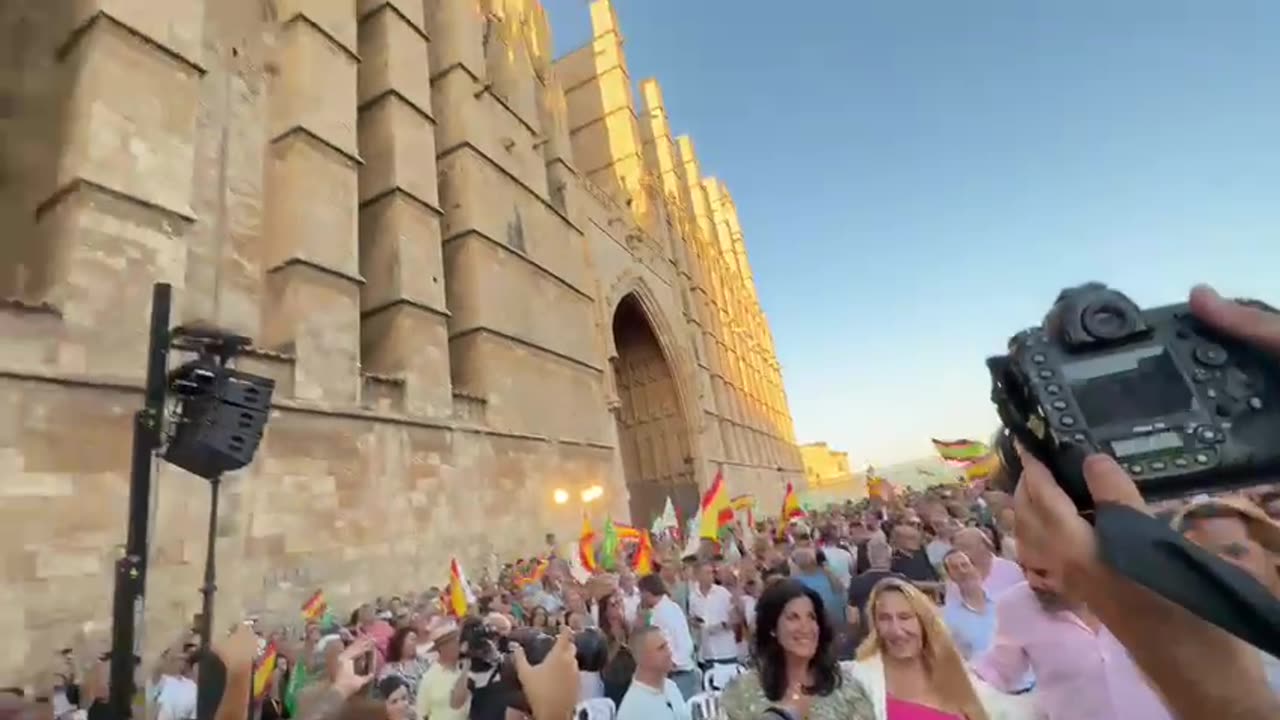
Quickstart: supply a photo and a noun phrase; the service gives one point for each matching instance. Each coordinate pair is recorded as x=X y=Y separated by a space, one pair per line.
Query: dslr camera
x=1181 y=407
x=483 y=647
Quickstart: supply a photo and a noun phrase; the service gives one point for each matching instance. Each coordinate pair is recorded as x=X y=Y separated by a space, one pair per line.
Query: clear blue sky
x=917 y=179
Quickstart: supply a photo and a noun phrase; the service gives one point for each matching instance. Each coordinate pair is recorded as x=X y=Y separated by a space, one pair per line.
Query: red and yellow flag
x=263 y=672
x=535 y=575
x=459 y=590
x=642 y=563
x=878 y=487
x=745 y=504
x=982 y=468
x=313 y=609
x=716 y=513
x=791 y=505
x=587 y=546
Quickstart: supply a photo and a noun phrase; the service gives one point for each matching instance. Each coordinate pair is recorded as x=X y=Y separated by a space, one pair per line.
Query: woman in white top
x=911 y=669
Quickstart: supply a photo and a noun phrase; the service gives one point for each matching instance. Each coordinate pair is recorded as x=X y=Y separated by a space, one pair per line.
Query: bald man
x=997 y=573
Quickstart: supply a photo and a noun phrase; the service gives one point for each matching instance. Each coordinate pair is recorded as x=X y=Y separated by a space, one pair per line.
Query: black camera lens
x=1108 y=320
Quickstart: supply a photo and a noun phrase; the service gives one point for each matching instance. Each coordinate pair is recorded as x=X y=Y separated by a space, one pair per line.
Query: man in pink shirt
x=1082 y=672
x=997 y=573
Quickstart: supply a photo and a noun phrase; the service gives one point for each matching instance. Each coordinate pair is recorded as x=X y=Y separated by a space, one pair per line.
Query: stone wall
x=403 y=203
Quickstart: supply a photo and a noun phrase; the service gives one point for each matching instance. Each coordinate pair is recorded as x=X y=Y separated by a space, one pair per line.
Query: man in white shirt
x=665 y=615
x=711 y=615
x=652 y=695
x=839 y=561
x=176 y=694
x=630 y=596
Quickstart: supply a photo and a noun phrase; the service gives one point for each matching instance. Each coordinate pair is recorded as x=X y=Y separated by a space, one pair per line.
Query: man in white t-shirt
x=667 y=616
x=652 y=695
x=711 y=615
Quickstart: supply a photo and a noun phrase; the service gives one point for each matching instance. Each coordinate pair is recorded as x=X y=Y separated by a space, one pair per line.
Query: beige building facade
x=824 y=466
x=477 y=275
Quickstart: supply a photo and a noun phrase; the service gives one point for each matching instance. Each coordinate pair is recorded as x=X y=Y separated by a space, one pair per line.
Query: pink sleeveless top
x=903 y=710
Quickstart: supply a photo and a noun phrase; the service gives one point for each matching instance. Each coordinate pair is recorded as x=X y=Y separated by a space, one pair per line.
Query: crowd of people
x=922 y=607
x=952 y=603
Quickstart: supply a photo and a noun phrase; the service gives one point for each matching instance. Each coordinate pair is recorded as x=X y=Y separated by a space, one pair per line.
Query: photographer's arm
x=461 y=689
x=1205 y=672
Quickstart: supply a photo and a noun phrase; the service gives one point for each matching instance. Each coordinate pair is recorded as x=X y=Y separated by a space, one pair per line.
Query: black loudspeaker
x=223 y=415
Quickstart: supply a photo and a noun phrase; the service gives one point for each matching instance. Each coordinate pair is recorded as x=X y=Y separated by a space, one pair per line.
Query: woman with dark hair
x=394 y=693
x=621 y=664
x=403 y=662
x=796 y=671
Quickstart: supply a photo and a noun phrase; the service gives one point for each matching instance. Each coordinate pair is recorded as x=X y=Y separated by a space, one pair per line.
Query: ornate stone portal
x=442 y=242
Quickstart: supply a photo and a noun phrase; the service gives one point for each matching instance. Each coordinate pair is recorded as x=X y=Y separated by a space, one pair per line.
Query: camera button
x=1201 y=375
x=1180 y=462
x=1067 y=421
x=1135 y=469
x=1039 y=358
x=1157 y=466
x=1045 y=374
x=1255 y=403
x=1207 y=434
x=1052 y=389
x=1202 y=458
x=1058 y=404
x=1211 y=355
x=1211 y=394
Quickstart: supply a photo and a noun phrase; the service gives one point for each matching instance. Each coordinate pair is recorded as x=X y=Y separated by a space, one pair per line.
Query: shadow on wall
x=35 y=101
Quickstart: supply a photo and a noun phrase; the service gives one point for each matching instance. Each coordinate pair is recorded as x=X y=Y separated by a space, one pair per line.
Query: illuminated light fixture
x=593 y=493
x=561 y=496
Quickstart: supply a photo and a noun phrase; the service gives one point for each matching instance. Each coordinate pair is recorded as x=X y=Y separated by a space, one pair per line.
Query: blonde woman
x=912 y=670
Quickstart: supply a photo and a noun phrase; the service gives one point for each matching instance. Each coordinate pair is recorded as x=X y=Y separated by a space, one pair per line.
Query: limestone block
x=59 y=562
x=398 y=146
x=413 y=344
x=478 y=196
x=492 y=287
x=456 y=30
x=318 y=315
x=528 y=391
x=467 y=116
x=132 y=132
x=315 y=88
x=337 y=18
x=411 y=10
x=394 y=57
x=312 y=207
x=400 y=253
x=177 y=25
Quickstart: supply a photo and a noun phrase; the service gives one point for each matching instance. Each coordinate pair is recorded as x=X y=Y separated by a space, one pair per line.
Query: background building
x=824 y=466
x=476 y=275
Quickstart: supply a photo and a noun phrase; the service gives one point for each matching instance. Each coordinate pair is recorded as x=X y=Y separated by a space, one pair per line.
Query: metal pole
x=207 y=590
x=131 y=570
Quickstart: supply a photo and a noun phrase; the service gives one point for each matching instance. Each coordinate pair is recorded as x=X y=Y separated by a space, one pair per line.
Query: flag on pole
x=667 y=520
x=715 y=511
x=960 y=450
x=314 y=608
x=263 y=672
x=609 y=543
x=587 y=546
x=982 y=468
x=642 y=564
x=460 y=597
x=791 y=509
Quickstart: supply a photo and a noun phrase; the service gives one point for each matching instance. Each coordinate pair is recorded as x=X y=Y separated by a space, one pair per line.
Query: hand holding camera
x=1185 y=397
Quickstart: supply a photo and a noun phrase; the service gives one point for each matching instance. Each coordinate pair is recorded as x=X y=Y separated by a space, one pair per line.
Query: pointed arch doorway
x=653 y=435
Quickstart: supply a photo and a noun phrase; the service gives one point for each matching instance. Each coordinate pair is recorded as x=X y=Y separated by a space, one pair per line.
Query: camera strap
x=1154 y=555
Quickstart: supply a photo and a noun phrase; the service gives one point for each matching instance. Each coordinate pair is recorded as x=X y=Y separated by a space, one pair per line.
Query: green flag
x=609 y=546
x=297 y=681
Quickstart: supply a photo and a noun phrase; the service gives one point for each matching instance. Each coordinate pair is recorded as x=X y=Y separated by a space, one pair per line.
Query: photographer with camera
x=1125 y=564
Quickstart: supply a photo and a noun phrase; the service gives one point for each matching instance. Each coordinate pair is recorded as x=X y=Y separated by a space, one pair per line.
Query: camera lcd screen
x=1132 y=386
x=1129 y=447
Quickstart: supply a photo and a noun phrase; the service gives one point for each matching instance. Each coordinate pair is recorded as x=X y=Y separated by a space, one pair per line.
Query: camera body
x=483 y=647
x=1181 y=407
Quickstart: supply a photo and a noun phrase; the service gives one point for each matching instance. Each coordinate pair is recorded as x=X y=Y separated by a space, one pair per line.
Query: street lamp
x=560 y=496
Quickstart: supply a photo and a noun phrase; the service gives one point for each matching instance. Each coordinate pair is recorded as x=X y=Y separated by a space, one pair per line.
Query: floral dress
x=744 y=699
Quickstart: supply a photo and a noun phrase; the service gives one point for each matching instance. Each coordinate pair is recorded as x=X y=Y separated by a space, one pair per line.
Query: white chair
x=705 y=706
x=717 y=677
x=595 y=709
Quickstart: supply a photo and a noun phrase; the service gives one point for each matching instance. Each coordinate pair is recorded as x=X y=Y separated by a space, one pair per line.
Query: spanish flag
x=535 y=575
x=879 y=487
x=313 y=609
x=790 y=506
x=263 y=672
x=642 y=563
x=587 y=546
x=745 y=504
x=459 y=590
x=981 y=468
x=960 y=450
x=716 y=513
